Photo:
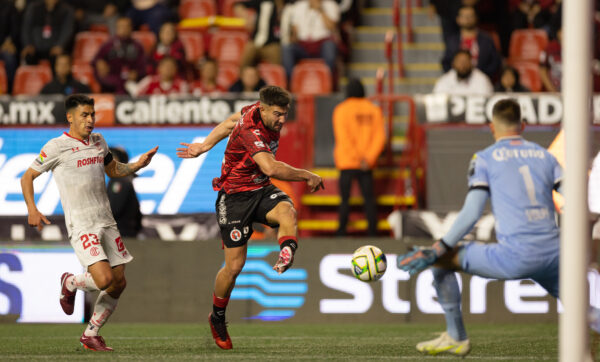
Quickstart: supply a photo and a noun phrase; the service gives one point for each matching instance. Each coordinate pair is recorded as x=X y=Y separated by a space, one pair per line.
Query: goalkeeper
x=518 y=176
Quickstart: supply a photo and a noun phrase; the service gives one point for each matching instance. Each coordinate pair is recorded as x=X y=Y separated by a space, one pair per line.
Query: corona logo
x=280 y=295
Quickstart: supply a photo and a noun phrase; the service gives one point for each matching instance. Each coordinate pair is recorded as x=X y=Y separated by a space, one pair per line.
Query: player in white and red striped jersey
x=78 y=160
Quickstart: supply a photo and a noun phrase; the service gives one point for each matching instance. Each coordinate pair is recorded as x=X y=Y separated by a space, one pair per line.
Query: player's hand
x=36 y=219
x=422 y=258
x=285 y=261
x=145 y=159
x=315 y=182
x=190 y=150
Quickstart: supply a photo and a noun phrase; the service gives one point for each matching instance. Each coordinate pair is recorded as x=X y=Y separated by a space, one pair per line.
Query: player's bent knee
x=103 y=281
x=287 y=214
x=234 y=268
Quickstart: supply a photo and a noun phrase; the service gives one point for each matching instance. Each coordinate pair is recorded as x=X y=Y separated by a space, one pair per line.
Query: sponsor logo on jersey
x=94 y=251
x=42 y=157
x=259 y=144
x=235 y=234
x=90 y=161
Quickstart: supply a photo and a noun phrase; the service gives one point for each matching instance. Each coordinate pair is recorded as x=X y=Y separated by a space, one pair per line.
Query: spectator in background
x=9 y=39
x=47 y=30
x=104 y=12
x=463 y=78
x=551 y=64
x=123 y=200
x=527 y=14
x=359 y=131
x=63 y=82
x=249 y=82
x=262 y=22
x=313 y=26
x=150 y=12
x=207 y=83
x=480 y=45
x=447 y=10
x=169 y=45
x=120 y=61
x=509 y=81
x=165 y=82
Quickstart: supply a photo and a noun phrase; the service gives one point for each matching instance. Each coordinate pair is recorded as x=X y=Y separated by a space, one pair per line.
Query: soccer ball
x=368 y=263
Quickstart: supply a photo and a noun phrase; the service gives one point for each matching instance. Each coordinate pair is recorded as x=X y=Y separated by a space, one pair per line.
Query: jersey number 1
x=529 y=185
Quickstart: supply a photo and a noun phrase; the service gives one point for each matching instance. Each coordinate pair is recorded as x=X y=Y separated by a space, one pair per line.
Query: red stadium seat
x=193 y=43
x=85 y=74
x=228 y=74
x=273 y=74
x=30 y=79
x=529 y=73
x=3 y=79
x=146 y=38
x=87 y=44
x=227 y=46
x=197 y=9
x=527 y=44
x=311 y=77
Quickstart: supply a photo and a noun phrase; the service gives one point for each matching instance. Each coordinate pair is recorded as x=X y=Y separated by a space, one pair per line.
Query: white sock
x=83 y=282
x=105 y=305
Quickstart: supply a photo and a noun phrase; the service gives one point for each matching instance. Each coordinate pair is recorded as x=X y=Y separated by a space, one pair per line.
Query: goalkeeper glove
x=420 y=259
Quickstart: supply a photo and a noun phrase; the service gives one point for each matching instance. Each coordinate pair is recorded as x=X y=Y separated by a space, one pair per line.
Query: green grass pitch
x=275 y=341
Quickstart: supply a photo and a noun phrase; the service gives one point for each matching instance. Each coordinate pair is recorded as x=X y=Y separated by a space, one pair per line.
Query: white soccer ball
x=368 y=263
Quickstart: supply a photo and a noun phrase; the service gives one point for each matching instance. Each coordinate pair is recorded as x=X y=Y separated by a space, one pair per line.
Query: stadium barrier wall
x=173 y=282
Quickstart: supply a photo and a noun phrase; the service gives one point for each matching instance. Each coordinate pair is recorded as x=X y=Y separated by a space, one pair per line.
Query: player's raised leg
x=284 y=214
x=235 y=258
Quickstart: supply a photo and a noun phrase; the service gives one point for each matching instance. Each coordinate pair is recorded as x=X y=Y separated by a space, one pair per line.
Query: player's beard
x=464 y=75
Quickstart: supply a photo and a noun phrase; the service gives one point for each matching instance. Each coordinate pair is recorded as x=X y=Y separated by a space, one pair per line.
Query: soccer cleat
x=445 y=344
x=218 y=328
x=95 y=343
x=67 y=297
x=285 y=261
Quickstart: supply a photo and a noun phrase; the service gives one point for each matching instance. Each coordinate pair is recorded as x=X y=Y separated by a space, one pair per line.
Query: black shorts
x=236 y=212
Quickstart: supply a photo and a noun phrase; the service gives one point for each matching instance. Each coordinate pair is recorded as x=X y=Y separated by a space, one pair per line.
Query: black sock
x=218 y=312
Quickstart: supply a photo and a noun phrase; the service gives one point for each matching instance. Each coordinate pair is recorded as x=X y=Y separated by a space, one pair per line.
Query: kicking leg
x=235 y=258
x=284 y=214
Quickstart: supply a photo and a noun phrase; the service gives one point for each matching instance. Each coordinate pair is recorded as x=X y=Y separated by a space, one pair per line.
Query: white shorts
x=104 y=243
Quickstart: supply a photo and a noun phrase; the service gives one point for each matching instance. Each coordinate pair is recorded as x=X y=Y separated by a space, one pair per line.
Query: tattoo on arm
x=123 y=169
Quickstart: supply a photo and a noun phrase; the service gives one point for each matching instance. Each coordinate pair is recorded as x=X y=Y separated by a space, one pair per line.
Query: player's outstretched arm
x=420 y=259
x=118 y=169
x=282 y=171
x=215 y=136
x=35 y=218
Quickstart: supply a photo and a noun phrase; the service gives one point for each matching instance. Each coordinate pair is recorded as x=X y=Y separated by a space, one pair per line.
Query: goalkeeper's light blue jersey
x=520 y=176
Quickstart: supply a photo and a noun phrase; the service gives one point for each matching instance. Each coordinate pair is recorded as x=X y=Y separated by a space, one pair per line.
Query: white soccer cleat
x=445 y=344
x=286 y=258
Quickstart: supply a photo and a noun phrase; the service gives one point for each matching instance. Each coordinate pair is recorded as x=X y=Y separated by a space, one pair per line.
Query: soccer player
x=78 y=160
x=518 y=176
x=246 y=194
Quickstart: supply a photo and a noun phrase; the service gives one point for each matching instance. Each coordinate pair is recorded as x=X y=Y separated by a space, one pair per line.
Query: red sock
x=219 y=305
x=290 y=241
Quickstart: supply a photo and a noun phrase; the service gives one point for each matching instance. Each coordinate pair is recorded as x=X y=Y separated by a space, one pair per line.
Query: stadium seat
x=87 y=44
x=146 y=38
x=85 y=74
x=228 y=74
x=311 y=77
x=3 y=79
x=30 y=79
x=193 y=44
x=527 y=44
x=273 y=74
x=227 y=46
x=197 y=8
x=529 y=73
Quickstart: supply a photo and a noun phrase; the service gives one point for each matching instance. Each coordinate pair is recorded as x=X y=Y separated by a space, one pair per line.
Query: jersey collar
x=509 y=138
x=85 y=142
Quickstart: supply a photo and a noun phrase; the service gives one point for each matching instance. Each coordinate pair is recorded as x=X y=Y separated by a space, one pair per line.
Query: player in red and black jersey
x=246 y=194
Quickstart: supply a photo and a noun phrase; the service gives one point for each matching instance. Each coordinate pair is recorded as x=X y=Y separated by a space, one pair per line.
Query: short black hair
x=462 y=51
x=75 y=100
x=507 y=111
x=355 y=89
x=273 y=95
